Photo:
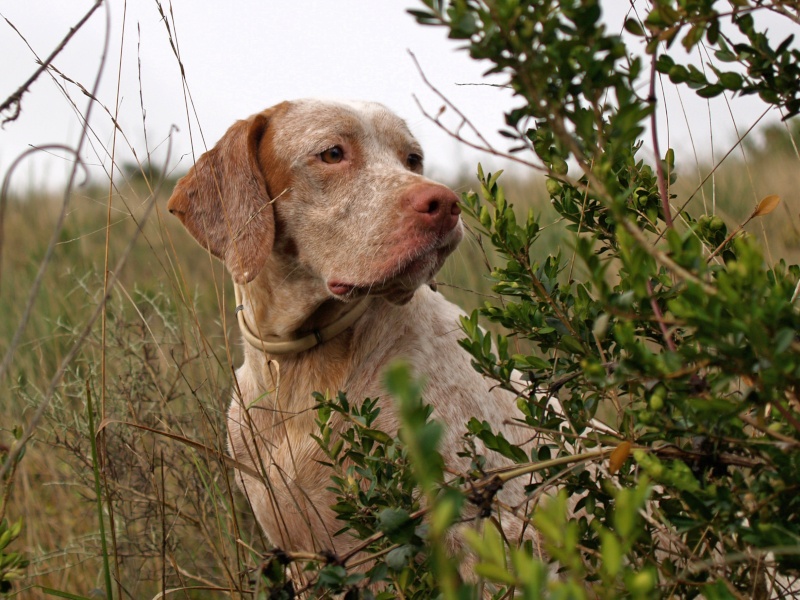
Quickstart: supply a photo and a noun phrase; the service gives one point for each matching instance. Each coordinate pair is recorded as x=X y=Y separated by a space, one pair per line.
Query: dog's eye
x=414 y=162
x=332 y=155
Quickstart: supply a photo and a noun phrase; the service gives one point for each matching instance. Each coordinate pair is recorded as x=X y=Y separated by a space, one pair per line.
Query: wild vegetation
x=623 y=286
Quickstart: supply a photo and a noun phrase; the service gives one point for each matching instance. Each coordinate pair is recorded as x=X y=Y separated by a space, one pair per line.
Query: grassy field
x=157 y=369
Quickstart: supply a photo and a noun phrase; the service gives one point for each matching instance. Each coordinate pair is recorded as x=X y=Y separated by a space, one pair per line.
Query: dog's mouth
x=407 y=274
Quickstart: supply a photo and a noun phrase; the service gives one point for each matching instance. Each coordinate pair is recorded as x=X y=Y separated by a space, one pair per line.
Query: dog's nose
x=435 y=205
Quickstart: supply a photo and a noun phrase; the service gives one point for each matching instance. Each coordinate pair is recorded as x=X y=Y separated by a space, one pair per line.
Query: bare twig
x=219 y=455
x=781 y=10
x=447 y=102
x=484 y=146
x=507 y=474
x=13 y=102
x=766 y=430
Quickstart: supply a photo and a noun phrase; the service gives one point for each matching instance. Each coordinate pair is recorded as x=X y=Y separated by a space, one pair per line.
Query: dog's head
x=334 y=189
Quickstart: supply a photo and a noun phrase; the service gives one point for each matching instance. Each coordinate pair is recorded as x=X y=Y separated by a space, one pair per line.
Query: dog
x=322 y=215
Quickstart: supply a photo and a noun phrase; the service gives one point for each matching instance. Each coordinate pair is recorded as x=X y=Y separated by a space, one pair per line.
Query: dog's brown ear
x=223 y=200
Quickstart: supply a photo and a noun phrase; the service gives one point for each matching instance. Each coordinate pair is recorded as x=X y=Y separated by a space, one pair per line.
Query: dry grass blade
x=60 y=222
x=217 y=454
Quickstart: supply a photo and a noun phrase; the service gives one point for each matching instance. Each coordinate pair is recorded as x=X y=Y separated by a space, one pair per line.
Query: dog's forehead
x=305 y=124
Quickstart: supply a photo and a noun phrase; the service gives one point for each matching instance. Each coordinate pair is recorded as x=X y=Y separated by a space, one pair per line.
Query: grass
x=152 y=507
x=147 y=505
x=166 y=369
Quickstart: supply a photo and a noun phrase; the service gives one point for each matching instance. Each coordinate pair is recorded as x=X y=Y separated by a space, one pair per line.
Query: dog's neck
x=289 y=313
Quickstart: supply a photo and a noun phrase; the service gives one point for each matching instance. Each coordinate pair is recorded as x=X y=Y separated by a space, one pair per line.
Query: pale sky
x=238 y=60
x=241 y=57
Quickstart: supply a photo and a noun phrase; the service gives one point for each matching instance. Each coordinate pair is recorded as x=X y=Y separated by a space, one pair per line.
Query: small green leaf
x=377 y=435
x=633 y=27
x=710 y=91
x=494 y=572
x=678 y=74
x=398 y=558
x=731 y=81
x=397 y=524
x=570 y=344
x=611 y=552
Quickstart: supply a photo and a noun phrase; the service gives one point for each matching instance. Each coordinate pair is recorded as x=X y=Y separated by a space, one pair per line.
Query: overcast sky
x=241 y=57
x=238 y=60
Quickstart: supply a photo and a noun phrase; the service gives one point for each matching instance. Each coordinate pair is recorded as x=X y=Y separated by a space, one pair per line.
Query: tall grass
x=167 y=371
x=172 y=518
x=155 y=504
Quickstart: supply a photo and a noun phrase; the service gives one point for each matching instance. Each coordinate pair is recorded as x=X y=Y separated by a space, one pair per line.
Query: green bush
x=648 y=312
x=671 y=327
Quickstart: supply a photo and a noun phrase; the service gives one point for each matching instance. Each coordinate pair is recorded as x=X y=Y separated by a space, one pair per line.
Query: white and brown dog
x=322 y=215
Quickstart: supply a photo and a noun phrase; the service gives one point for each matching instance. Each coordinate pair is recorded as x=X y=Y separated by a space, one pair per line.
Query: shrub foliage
x=663 y=322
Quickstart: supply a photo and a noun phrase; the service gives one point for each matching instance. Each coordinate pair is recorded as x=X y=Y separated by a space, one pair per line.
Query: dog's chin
x=399 y=286
x=402 y=288
x=403 y=278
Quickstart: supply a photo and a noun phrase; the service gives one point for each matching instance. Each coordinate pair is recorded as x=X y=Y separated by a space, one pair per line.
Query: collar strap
x=282 y=345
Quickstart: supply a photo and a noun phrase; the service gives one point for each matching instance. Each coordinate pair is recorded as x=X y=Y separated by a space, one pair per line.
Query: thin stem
x=660 y=318
x=505 y=475
x=103 y=450
x=662 y=182
x=98 y=493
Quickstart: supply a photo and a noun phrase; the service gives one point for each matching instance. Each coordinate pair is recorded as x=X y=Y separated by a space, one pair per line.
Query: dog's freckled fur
x=293 y=230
